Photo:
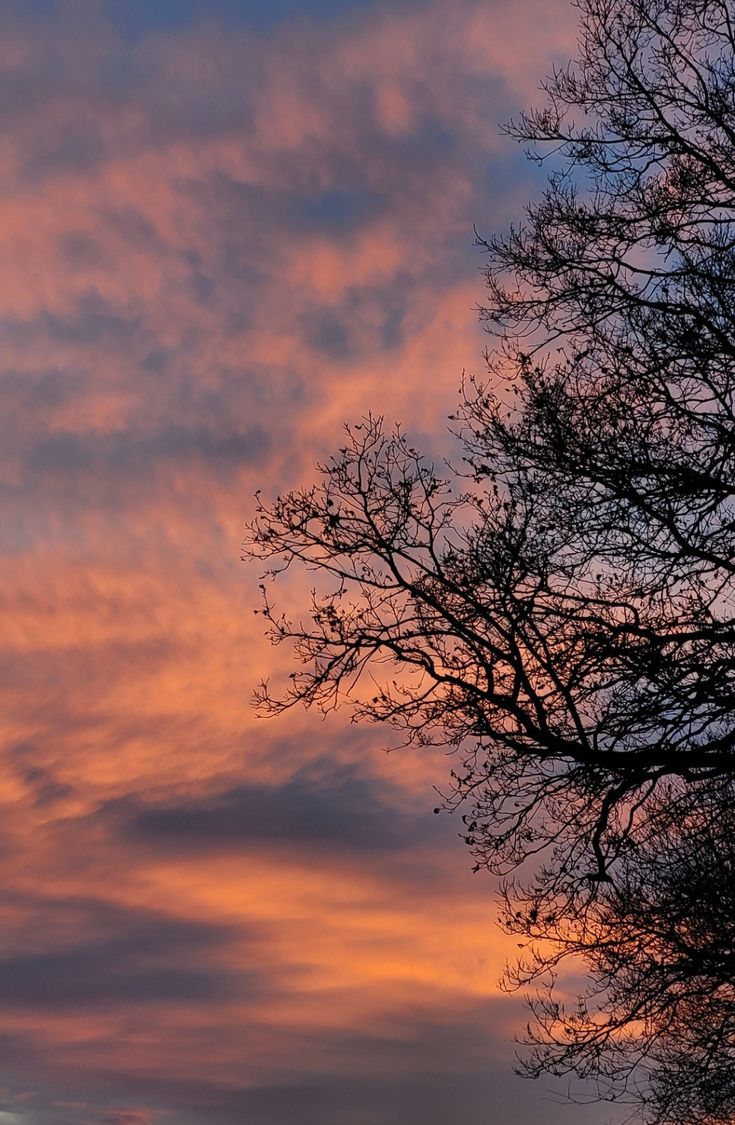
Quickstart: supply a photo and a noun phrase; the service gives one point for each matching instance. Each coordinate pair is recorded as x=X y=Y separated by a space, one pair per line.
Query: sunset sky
x=228 y=227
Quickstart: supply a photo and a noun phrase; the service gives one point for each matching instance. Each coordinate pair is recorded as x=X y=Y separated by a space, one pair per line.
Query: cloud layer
x=227 y=228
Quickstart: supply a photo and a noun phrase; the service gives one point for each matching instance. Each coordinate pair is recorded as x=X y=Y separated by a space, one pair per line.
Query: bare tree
x=559 y=611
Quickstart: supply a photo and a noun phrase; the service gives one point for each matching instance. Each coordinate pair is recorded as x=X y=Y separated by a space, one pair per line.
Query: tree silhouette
x=559 y=610
x=656 y=1022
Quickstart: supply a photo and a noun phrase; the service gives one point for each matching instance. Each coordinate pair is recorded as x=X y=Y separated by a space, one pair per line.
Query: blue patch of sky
x=337 y=210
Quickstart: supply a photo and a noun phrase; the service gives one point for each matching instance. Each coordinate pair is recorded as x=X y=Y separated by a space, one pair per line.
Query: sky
x=226 y=228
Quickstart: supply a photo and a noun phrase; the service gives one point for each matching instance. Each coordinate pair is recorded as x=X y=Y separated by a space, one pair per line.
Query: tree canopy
x=558 y=609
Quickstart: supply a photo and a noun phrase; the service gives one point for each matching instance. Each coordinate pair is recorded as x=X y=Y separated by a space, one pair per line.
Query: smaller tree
x=656 y=1023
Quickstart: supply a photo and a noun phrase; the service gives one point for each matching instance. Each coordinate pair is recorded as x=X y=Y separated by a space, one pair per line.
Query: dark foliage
x=560 y=613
